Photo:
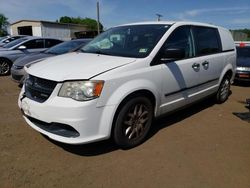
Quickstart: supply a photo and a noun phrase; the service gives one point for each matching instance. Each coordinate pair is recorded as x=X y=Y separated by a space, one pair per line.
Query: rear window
x=243 y=52
x=64 y=47
x=207 y=40
x=51 y=42
x=34 y=44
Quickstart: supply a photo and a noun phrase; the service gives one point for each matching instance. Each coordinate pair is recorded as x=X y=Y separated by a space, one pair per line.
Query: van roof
x=170 y=23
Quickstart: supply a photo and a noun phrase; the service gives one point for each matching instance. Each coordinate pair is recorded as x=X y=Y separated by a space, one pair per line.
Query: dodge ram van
x=124 y=78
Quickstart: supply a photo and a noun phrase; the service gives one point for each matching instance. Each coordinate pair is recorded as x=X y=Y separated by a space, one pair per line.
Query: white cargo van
x=118 y=83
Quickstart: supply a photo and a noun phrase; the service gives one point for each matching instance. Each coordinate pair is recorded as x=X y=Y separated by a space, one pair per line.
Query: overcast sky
x=228 y=13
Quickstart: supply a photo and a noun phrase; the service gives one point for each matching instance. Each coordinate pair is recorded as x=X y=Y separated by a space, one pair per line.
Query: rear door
x=209 y=57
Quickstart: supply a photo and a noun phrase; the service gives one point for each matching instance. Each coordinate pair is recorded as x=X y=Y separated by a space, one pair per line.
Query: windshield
x=243 y=52
x=15 y=42
x=3 y=38
x=11 y=39
x=127 y=41
x=64 y=47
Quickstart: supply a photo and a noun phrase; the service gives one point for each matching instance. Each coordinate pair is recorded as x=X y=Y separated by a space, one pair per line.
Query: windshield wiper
x=96 y=52
x=50 y=53
x=101 y=52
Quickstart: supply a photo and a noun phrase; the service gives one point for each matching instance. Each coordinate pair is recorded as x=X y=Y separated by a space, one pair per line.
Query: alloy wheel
x=4 y=67
x=135 y=121
x=225 y=89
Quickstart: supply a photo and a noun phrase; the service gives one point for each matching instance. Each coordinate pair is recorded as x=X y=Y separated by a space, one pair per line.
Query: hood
x=4 y=49
x=30 y=58
x=8 y=52
x=75 y=66
x=243 y=62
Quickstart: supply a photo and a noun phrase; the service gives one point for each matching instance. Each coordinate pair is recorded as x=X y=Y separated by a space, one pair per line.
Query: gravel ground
x=203 y=146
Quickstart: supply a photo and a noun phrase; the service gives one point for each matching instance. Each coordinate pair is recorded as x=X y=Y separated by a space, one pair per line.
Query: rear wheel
x=133 y=122
x=224 y=90
x=5 y=66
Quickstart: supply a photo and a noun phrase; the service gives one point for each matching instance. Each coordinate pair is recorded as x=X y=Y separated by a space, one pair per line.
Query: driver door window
x=181 y=38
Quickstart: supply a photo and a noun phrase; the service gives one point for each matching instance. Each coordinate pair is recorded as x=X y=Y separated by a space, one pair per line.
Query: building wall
x=76 y=29
x=37 y=31
x=14 y=30
x=10 y=31
x=49 y=29
x=56 y=31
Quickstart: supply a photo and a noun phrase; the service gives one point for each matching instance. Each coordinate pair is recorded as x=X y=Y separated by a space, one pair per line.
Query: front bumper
x=242 y=75
x=18 y=75
x=57 y=116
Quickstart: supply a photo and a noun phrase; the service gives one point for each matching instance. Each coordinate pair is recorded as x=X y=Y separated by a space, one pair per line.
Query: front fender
x=111 y=101
x=129 y=87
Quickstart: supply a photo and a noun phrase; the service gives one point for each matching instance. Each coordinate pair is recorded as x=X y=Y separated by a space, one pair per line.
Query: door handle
x=205 y=65
x=196 y=66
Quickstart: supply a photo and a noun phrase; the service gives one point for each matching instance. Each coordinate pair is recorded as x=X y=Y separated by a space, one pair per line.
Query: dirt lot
x=201 y=147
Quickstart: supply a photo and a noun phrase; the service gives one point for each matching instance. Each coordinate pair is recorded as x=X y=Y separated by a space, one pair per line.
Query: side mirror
x=22 y=47
x=172 y=54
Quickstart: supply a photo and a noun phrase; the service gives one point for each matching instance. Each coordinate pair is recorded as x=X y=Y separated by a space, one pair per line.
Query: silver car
x=17 y=69
x=8 y=39
x=22 y=47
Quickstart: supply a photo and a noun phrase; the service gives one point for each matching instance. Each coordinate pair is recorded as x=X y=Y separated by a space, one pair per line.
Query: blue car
x=243 y=62
x=17 y=70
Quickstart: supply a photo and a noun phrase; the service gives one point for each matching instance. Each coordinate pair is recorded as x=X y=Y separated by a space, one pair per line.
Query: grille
x=38 y=89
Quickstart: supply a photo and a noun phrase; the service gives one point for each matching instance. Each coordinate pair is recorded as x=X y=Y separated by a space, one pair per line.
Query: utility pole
x=98 y=18
x=159 y=17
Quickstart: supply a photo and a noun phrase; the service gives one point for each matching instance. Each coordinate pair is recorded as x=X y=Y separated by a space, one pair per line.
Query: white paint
x=122 y=76
x=62 y=33
x=37 y=31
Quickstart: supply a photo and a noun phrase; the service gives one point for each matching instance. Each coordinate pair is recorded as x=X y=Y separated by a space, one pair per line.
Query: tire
x=224 y=90
x=133 y=122
x=5 y=66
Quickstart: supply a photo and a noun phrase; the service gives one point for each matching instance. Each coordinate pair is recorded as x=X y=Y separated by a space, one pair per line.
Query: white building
x=49 y=29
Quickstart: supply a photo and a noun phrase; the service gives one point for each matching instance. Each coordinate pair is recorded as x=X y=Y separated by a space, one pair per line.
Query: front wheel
x=224 y=90
x=133 y=122
x=5 y=66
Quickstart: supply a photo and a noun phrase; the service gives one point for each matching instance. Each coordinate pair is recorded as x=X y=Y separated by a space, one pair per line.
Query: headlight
x=17 y=66
x=81 y=90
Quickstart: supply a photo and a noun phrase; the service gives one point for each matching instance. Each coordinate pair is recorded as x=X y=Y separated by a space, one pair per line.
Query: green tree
x=89 y=22
x=65 y=19
x=3 y=25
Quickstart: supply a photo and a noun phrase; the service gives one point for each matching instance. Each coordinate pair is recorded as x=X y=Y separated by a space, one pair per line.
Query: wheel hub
x=225 y=89
x=135 y=122
x=4 y=67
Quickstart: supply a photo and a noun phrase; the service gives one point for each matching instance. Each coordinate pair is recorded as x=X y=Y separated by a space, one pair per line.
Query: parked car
x=243 y=61
x=17 y=70
x=22 y=47
x=124 y=78
x=9 y=39
x=3 y=38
